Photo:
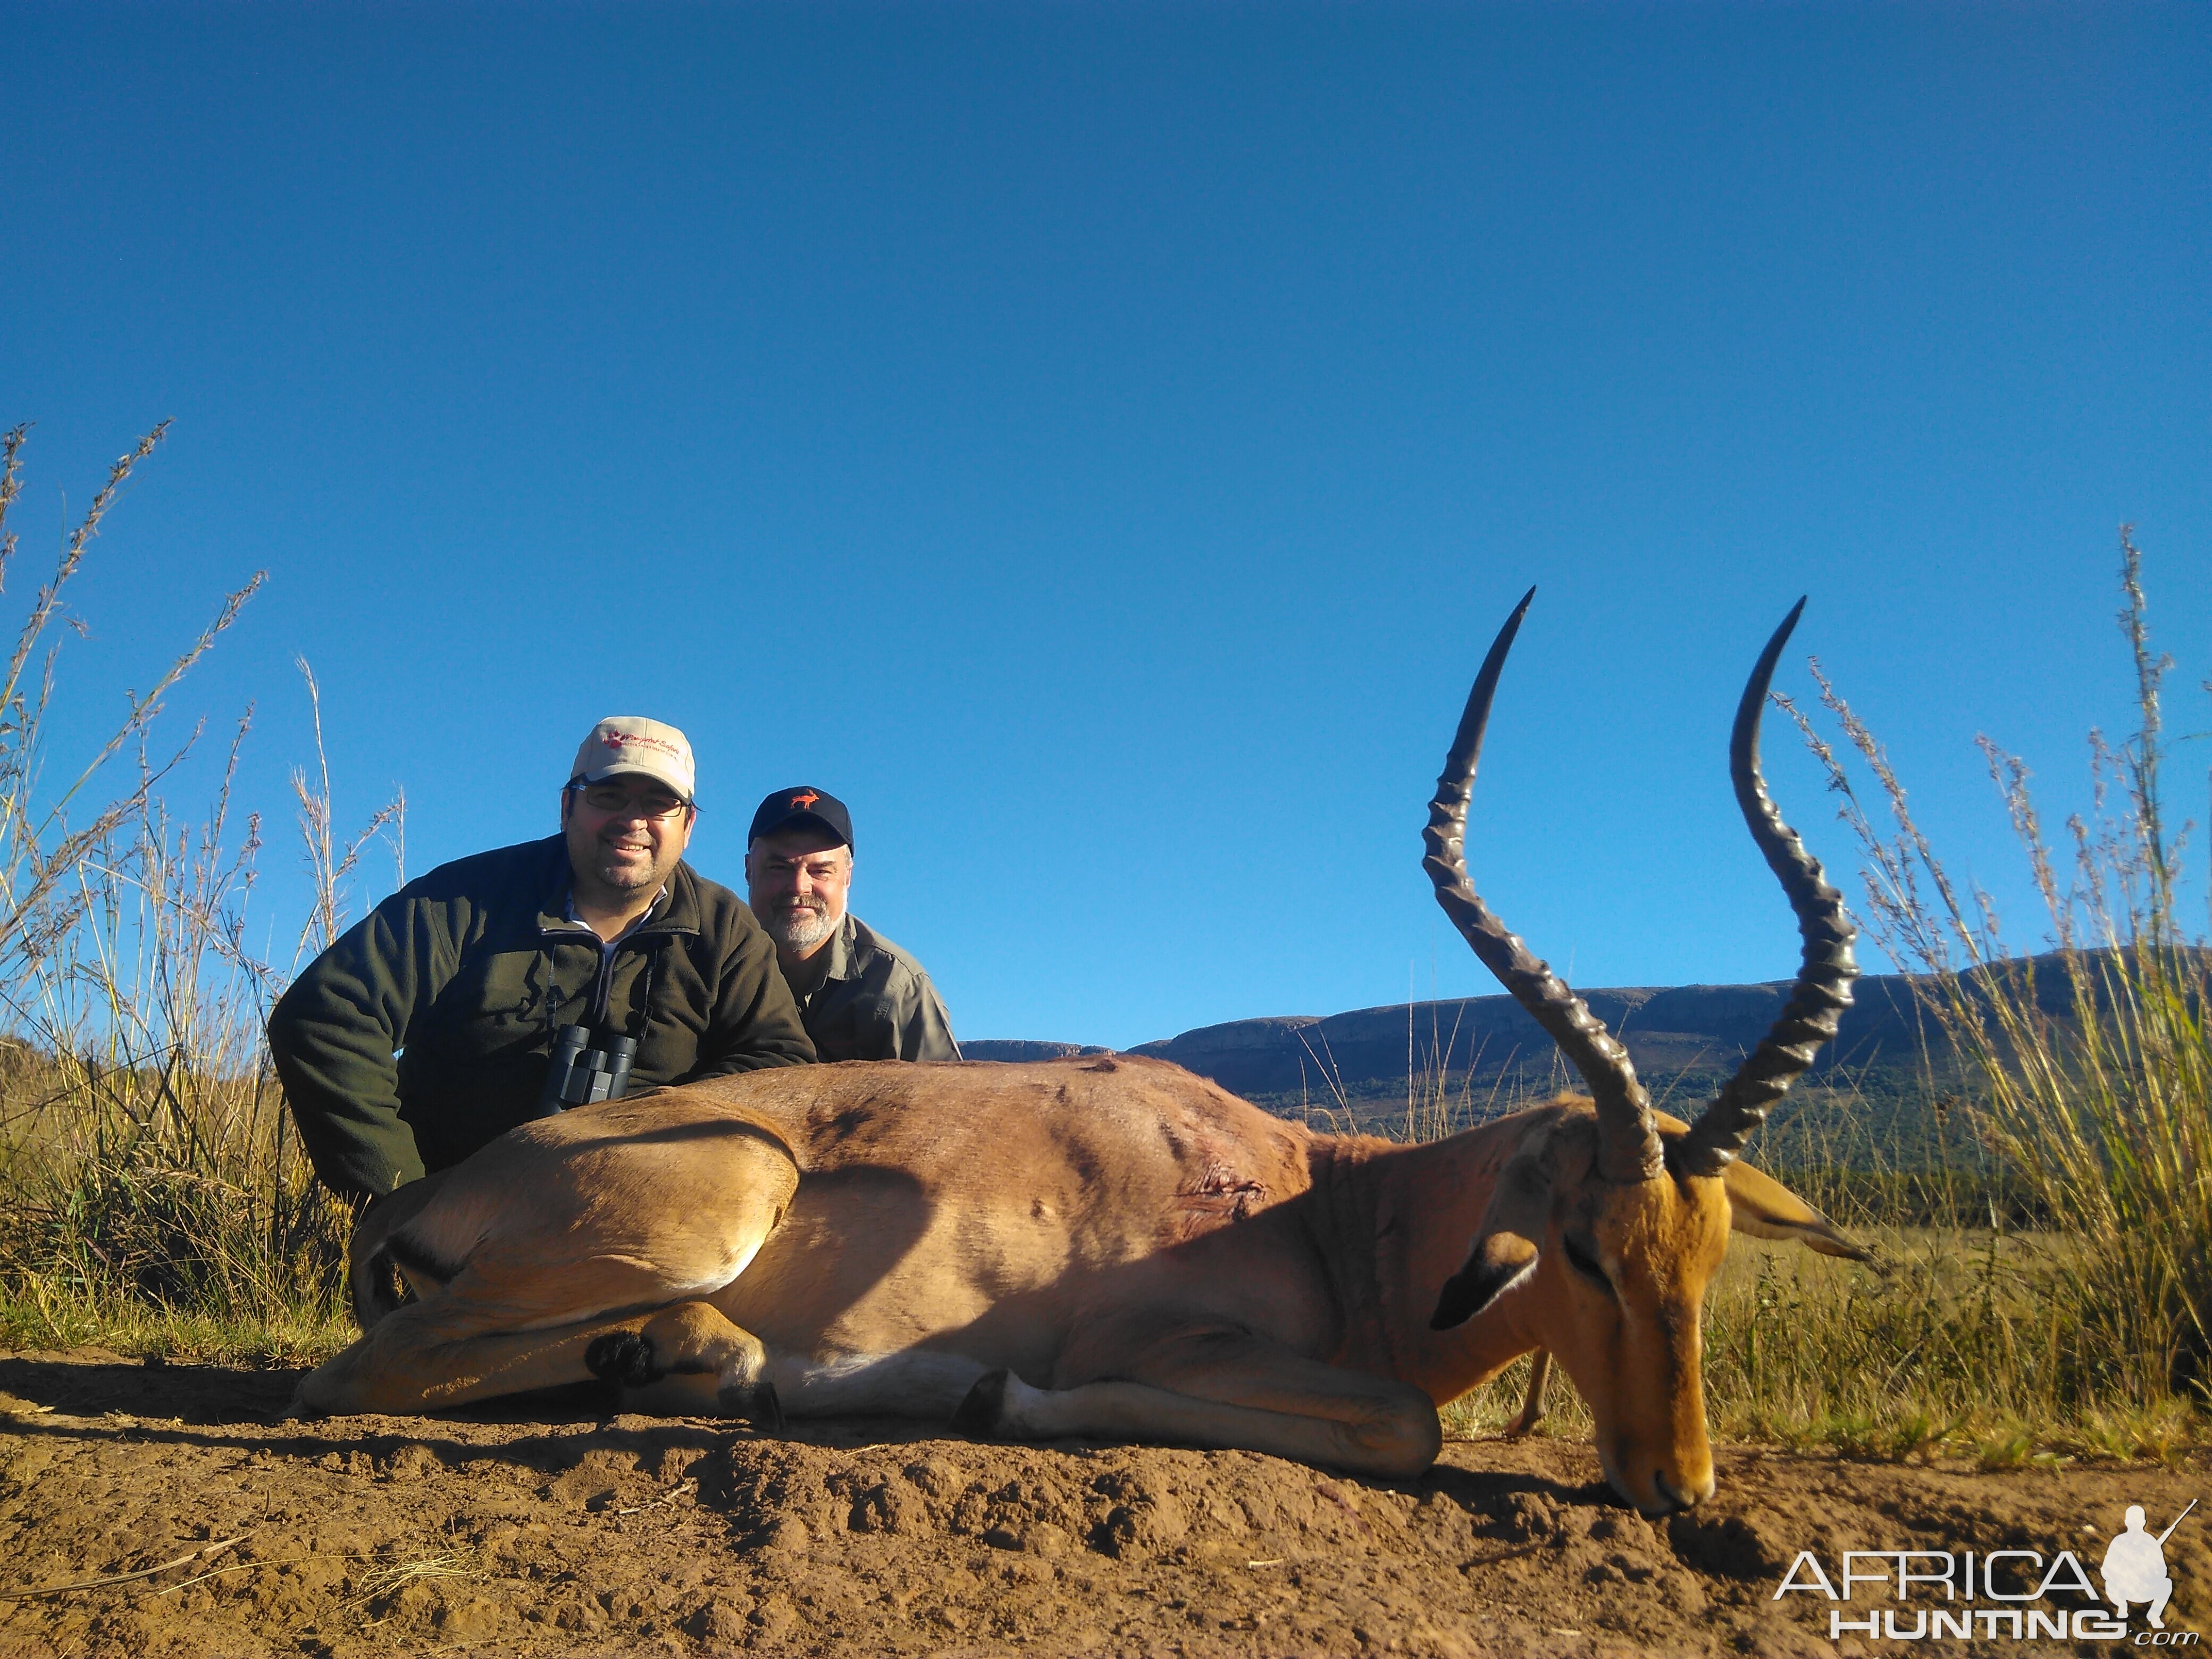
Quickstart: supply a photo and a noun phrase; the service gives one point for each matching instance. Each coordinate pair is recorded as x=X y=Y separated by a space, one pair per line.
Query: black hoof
x=623 y=1357
x=757 y=1405
x=986 y=1403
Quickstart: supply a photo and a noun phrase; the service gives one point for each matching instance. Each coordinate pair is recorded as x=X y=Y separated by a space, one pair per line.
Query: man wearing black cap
x=860 y=995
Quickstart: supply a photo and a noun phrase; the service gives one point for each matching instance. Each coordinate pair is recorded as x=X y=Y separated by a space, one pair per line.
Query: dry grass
x=152 y=1197
x=2091 y=1065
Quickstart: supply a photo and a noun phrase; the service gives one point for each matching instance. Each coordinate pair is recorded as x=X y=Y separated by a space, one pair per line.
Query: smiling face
x=625 y=835
x=797 y=881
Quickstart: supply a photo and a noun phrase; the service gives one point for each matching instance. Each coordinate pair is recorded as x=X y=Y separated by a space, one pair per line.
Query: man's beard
x=630 y=878
x=801 y=925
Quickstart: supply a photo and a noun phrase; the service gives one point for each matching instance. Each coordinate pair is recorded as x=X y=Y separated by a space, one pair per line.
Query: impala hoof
x=756 y=1403
x=985 y=1405
x=623 y=1357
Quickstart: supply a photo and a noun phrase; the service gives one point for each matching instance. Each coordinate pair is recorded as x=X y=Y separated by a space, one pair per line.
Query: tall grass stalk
x=2088 y=1067
x=149 y=1196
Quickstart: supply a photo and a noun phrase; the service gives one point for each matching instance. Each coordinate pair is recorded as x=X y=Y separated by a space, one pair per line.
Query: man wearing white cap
x=502 y=988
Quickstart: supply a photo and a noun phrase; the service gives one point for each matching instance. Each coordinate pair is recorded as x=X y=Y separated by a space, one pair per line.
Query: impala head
x=1609 y=1219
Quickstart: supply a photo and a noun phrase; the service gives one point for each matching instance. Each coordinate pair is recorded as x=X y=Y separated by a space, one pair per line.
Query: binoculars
x=580 y=1073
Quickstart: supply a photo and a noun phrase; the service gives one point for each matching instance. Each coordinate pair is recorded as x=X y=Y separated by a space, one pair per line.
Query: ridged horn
x=1628 y=1147
x=1826 y=968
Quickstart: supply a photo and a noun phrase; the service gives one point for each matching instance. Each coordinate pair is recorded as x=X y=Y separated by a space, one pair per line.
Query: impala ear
x=1504 y=1251
x=1762 y=1206
x=1500 y=1260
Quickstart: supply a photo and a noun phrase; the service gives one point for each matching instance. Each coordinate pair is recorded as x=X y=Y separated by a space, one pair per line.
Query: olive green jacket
x=875 y=1002
x=425 y=1030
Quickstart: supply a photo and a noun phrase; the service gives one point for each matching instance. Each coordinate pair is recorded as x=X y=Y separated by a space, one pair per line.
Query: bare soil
x=548 y=1528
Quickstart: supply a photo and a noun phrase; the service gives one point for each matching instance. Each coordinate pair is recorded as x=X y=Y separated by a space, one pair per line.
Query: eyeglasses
x=645 y=804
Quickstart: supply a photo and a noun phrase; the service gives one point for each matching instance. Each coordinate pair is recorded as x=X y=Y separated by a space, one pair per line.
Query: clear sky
x=1098 y=442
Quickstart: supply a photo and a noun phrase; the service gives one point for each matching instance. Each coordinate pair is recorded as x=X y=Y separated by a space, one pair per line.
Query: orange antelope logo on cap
x=800 y=802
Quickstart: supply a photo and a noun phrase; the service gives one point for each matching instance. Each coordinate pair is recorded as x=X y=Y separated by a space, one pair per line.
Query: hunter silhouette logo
x=803 y=800
x=2135 y=1567
x=1999 y=1595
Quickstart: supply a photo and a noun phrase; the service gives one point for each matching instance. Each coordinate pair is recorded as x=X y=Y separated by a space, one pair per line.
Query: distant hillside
x=1872 y=1084
x=1021 y=1052
x=1689 y=1029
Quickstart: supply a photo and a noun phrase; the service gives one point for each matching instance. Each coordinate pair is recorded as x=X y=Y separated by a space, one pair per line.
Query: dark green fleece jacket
x=425 y=1030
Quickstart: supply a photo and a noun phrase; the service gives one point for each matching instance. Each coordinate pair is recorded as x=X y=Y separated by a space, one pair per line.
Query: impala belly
x=1014 y=1251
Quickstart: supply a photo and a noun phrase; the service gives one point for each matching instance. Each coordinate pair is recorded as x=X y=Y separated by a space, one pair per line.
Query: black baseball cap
x=802 y=805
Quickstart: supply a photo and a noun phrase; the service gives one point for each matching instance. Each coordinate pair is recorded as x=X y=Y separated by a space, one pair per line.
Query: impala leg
x=1231 y=1365
x=1532 y=1403
x=689 y=1359
x=584 y=1227
x=425 y=1356
x=1226 y=1389
x=428 y=1356
x=919 y=1382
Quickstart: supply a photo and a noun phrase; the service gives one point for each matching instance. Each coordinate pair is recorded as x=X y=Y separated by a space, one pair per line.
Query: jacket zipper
x=602 y=979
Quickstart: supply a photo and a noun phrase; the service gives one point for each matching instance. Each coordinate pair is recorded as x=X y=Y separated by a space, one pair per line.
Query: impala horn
x=1628 y=1148
x=1827 y=970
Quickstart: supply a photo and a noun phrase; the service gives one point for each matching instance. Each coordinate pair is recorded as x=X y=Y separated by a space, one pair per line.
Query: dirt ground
x=551 y=1528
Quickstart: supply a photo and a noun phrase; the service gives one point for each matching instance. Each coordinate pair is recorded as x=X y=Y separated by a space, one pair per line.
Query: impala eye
x=1584 y=1261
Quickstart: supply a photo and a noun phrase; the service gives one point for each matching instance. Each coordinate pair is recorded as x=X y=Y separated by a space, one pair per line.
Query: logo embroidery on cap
x=800 y=802
x=616 y=740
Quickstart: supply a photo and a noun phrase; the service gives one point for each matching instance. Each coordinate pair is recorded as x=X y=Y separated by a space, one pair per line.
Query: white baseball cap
x=631 y=742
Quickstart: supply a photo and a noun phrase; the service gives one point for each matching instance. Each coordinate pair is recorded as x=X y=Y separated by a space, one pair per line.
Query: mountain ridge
x=1668 y=1030
x=1676 y=1034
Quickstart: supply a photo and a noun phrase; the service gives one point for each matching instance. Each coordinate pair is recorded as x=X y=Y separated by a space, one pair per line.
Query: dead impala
x=1112 y=1248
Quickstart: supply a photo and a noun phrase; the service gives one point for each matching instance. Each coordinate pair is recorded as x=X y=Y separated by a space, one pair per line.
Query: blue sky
x=1098 y=442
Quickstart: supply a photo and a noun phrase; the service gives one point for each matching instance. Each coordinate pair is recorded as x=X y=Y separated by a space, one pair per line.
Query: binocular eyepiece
x=579 y=1073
